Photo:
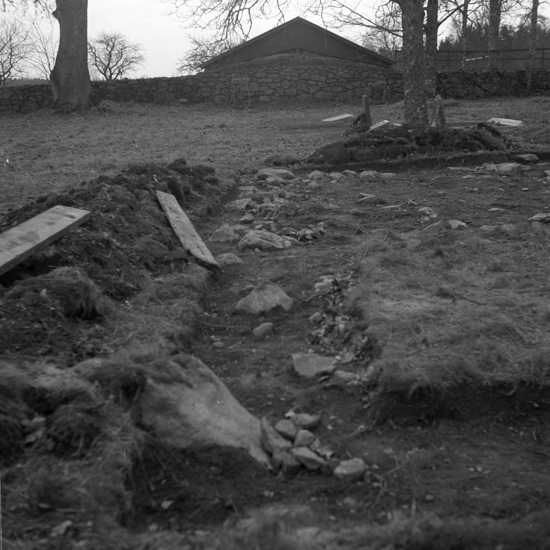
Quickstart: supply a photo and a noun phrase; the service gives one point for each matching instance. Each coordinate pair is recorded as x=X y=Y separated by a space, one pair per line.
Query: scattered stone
x=304 y=438
x=264 y=240
x=287 y=428
x=527 y=158
x=310 y=365
x=306 y=457
x=496 y=210
x=265 y=297
x=279 y=173
x=272 y=441
x=224 y=234
x=306 y=421
x=350 y=470
x=388 y=175
x=288 y=207
x=338 y=176
x=509 y=228
x=429 y=497
x=284 y=461
x=503 y=168
x=367 y=198
x=428 y=212
x=456 y=224
x=316 y=175
x=237 y=206
x=247 y=218
x=313 y=185
x=540 y=217
x=330 y=465
x=350 y=172
x=316 y=318
x=263 y=330
x=369 y=174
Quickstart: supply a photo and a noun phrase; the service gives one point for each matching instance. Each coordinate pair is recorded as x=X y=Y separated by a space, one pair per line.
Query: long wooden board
x=20 y=242
x=183 y=228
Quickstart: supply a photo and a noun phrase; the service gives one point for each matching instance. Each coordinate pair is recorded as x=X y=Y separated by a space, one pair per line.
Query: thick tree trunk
x=495 y=14
x=432 y=26
x=532 y=42
x=414 y=66
x=70 y=78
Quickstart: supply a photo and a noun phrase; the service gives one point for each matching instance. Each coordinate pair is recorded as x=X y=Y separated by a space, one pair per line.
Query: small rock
x=284 y=461
x=306 y=421
x=227 y=259
x=429 y=497
x=367 y=198
x=330 y=465
x=456 y=224
x=541 y=217
x=287 y=429
x=238 y=205
x=224 y=234
x=338 y=176
x=350 y=470
x=263 y=330
x=265 y=297
x=369 y=174
x=428 y=212
x=316 y=175
x=316 y=318
x=281 y=173
x=264 y=240
x=527 y=158
x=304 y=438
x=503 y=168
x=313 y=185
x=304 y=455
x=350 y=172
x=272 y=441
x=310 y=365
x=247 y=218
x=388 y=175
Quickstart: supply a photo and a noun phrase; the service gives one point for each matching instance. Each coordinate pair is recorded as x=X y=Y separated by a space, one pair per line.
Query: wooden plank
x=337 y=117
x=185 y=231
x=20 y=242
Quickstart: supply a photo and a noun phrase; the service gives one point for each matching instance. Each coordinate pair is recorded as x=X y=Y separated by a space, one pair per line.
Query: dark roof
x=298 y=35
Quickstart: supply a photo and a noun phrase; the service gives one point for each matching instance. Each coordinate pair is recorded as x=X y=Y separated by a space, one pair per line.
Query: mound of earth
x=362 y=145
x=66 y=300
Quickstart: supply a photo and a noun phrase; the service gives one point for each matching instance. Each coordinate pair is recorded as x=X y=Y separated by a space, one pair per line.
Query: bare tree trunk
x=464 y=42
x=532 y=42
x=495 y=12
x=432 y=26
x=70 y=78
x=414 y=67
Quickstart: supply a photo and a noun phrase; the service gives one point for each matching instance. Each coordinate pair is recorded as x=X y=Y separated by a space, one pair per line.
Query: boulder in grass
x=310 y=365
x=350 y=470
x=188 y=406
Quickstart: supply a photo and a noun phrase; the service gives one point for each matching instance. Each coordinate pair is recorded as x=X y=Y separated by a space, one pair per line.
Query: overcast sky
x=145 y=22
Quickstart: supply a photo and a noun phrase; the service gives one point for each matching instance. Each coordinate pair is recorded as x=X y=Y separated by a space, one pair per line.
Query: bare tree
x=533 y=25
x=44 y=44
x=113 y=56
x=14 y=49
x=202 y=50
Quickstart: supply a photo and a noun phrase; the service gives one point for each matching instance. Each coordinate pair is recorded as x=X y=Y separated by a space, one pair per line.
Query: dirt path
x=475 y=453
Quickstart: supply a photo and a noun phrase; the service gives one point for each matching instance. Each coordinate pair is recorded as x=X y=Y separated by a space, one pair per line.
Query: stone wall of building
x=283 y=79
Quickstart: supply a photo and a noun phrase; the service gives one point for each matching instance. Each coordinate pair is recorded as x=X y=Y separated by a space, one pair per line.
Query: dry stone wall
x=279 y=81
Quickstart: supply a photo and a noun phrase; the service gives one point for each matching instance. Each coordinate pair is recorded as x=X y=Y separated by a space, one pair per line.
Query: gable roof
x=297 y=35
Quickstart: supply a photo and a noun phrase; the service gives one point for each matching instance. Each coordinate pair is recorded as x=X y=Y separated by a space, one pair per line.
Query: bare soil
x=443 y=334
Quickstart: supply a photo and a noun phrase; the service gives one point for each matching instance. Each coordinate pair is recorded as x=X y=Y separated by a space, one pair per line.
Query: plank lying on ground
x=185 y=231
x=20 y=242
